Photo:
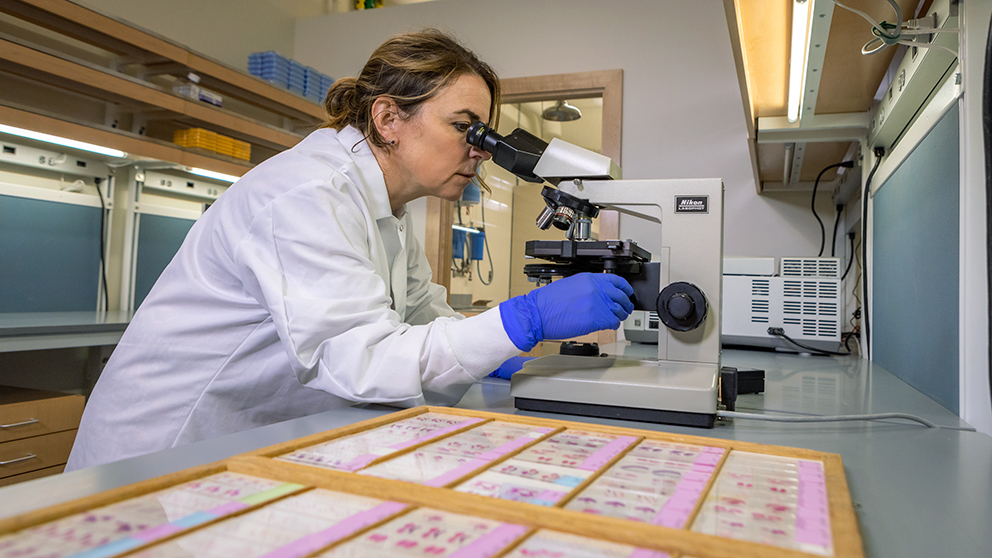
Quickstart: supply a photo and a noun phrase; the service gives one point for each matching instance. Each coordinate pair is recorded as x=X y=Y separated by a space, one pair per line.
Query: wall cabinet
x=70 y=71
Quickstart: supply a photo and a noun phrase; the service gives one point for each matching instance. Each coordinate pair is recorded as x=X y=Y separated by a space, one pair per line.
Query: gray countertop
x=917 y=491
x=30 y=331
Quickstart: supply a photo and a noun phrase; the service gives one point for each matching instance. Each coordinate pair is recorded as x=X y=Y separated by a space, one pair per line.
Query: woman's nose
x=476 y=153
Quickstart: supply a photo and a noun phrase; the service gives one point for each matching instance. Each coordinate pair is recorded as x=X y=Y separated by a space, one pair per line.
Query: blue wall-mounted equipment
x=477 y=243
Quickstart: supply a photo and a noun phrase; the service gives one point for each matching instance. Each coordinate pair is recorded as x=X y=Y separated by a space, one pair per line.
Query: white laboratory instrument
x=804 y=299
x=679 y=383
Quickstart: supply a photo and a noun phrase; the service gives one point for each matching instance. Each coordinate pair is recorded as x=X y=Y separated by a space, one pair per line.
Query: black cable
x=823 y=232
x=866 y=346
x=850 y=260
x=779 y=332
x=987 y=132
x=485 y=242
x=833 y=237
x=103 y=264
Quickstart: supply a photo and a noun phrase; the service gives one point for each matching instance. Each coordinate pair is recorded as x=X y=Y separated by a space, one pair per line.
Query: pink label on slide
x=604 y=454
x=708 y=469
x=492 y=542
x=812 y=532
x=359 y=462
x=812 y=511
x=550 y=495
x=645 y=553
x=315 y=541
x=457 y=472
x=436 y=433
x=710 y=449
x=695 y=476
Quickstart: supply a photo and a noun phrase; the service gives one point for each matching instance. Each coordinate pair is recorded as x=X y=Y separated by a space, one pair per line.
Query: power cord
x=865 y=324
x=833 y=236
x=823 y=233
x=833 y=418
x=485 y=242
x=851 y=259
x=779 y=332
x=887 y=34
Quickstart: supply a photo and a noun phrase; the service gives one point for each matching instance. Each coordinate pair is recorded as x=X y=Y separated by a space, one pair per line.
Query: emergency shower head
x=561 y=112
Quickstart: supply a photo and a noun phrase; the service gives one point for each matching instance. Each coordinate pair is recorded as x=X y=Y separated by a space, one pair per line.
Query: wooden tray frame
x=678 y=542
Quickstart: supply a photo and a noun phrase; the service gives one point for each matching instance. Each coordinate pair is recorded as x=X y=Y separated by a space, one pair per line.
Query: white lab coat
x=298 y=291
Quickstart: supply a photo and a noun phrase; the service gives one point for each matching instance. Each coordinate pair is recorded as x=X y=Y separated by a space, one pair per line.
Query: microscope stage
x=668 y=392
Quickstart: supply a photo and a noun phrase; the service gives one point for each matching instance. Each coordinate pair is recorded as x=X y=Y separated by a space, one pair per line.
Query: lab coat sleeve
x=306 y=259
x=425 y=300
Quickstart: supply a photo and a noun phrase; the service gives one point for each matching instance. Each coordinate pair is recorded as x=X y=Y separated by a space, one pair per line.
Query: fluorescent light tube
x=65 y=142
x=212 y=174
x=466 y=229
x=797 y=61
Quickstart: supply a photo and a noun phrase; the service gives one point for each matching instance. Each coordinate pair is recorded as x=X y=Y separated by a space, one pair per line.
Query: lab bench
x=917 y=491
x=29 y=331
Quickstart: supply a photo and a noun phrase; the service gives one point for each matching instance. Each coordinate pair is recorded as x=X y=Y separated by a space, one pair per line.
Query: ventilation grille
x=760 y=302
x=795 y=288
x=812 y=327
x=810 y=267
x=809 y=308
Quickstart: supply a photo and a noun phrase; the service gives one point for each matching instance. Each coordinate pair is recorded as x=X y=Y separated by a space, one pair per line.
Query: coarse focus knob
x=681 y=306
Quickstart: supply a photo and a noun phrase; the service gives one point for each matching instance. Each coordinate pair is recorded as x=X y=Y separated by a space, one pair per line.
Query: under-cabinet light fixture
x=65 y=142
x=797 y=61
x=212 y=174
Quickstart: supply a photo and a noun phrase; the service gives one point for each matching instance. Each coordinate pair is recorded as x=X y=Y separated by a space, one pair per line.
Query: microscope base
x=615 y=412
x=683 y=393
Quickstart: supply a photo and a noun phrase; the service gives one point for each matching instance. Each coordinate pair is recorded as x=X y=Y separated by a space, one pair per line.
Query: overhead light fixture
x=797 y=61
x=212 y=174
x=65 y=142
x=465 y=229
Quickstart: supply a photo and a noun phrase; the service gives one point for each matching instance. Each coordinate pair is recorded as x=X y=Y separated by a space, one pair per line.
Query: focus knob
x=681 y=306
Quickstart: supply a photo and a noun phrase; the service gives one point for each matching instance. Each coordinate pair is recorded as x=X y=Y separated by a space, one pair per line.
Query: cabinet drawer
x=39 y=452
x=27 y=412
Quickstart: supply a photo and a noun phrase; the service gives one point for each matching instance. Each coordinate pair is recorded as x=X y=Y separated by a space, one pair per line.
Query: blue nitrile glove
x=569 y=307
x=507 y=369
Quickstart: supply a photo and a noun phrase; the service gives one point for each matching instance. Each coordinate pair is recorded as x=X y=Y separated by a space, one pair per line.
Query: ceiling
x=848 y=81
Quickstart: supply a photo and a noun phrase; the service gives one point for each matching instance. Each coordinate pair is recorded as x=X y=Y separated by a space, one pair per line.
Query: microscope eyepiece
x=477 y=134
x=517 y=152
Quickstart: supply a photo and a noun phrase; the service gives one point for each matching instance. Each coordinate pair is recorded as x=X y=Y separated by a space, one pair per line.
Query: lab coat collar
x=375 y=184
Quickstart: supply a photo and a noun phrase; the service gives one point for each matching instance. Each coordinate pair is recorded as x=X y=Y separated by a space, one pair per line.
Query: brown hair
x=409 y=68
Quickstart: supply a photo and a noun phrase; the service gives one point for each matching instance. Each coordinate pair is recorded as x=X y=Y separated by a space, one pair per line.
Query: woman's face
x=430 y=146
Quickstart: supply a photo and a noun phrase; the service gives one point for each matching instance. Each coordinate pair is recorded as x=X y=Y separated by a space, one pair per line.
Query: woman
x=303 y=288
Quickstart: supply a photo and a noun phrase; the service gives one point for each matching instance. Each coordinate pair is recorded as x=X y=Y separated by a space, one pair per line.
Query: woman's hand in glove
x=510 y=367
x=566 y=308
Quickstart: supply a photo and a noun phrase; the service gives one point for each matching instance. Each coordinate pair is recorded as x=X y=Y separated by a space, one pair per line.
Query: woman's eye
x=462 y=126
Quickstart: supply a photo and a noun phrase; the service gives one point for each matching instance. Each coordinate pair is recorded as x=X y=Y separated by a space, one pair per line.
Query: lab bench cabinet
x=37 y=429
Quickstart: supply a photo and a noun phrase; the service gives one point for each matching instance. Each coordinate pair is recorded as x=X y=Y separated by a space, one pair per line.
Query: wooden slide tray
x=442 y=482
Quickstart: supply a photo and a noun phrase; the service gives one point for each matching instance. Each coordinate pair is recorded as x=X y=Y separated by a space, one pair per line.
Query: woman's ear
x=385 y=116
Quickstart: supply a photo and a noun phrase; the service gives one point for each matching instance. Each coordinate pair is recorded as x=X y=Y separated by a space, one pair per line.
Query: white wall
x=974 y=332
x=683 y=114
x=225 y=30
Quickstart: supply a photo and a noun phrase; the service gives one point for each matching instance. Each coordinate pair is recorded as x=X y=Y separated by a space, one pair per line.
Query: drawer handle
x=25 y=423
x=19 y=459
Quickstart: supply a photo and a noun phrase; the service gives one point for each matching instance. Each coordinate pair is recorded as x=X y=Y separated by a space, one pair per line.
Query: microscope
x=676 y=293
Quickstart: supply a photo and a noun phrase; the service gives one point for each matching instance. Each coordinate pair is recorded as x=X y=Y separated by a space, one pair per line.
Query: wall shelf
x=74 y=72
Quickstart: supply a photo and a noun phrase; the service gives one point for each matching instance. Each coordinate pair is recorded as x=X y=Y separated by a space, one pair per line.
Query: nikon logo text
x=691 y=204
